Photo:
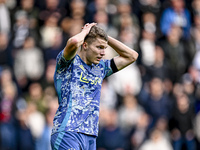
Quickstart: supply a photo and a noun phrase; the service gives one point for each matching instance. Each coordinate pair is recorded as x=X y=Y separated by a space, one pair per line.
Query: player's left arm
x=126 y=54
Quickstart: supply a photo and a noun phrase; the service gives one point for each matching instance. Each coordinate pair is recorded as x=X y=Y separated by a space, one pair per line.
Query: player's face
x=96 y=51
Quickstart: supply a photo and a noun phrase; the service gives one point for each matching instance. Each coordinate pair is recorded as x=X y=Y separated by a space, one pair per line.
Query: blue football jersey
x=78 y=86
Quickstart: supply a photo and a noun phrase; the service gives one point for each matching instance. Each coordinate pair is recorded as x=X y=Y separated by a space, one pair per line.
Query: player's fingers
x=93 y=24
x=86 y=24
x=89 y=25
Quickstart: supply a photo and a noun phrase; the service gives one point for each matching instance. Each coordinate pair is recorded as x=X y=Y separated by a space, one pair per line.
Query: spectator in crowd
x=49 y=30
x=47 y=79
x=71 y=26
x=174 y=53
x=162 y=126
x=49 y=94
x=159 y=67
x=156 y=142
x=33 y=116
x=147 y=46
x=149 y=21
x=5 y=20
x=125 y=20
x=102 y=18
x=20 y=29
x=95 y=6
x=28 y=64
x=188 y=87
x=176 y=15
x=196 y=57
x=57 y=43
x=155 y=101
x=111 y=136
x=49 y=7
x=35 y=94
x=196 y=7
x=195 y=42
x=129 y=113
x=5 y=53
x=24 y=138
x=132 y=84
x=181 y=124
x=43 y=141
x=140 y=132
x=27 y=6
x=77 y=9
x=108 y=96
x=128 y=31
x=8 y=132
x=153 y=6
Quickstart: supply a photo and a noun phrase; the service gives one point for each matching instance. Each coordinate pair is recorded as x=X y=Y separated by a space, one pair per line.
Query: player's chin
x=96 y=62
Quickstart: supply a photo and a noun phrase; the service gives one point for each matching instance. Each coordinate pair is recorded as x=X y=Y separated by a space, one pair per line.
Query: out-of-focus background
x=151 y=105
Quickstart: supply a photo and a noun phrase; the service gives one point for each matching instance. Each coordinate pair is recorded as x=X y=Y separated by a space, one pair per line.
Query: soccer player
x=78 y=79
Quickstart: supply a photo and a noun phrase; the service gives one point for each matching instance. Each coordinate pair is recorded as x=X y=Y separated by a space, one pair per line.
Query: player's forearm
x=77 y=40
x=122 y=49
x=73 y=44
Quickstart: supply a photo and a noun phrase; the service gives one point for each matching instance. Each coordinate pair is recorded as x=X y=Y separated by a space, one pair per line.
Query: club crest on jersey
x=96 y=71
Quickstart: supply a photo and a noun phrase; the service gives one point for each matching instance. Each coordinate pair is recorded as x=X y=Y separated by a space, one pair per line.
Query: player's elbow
x=133 y=56
x=73 y=42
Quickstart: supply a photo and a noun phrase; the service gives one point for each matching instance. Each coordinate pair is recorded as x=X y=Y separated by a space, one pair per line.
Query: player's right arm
x=76 y=41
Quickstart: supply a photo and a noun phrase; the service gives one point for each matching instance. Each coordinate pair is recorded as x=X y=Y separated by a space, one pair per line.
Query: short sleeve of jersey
x=62 y=62
x=107 y=68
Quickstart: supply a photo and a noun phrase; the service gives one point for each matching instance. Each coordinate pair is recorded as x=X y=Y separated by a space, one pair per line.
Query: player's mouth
x=99 y=58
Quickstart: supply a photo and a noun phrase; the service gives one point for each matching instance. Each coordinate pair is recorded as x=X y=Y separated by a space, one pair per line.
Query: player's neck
x=82 y=55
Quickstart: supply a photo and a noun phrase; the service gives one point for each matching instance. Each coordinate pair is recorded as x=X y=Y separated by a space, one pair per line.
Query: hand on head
x=88 y=26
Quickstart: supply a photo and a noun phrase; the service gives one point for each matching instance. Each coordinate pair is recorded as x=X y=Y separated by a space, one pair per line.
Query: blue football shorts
x=72 y=141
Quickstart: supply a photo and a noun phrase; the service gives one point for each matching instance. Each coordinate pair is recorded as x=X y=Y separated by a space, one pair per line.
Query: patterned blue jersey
x=78 y=86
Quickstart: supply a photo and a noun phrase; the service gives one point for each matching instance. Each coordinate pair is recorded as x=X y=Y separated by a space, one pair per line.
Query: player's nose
x=102 y=52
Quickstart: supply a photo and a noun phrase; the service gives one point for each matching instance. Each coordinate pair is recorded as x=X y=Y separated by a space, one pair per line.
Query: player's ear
x=85 y=45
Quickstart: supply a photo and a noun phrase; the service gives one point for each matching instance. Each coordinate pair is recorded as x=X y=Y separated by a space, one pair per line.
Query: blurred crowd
x=153 y=104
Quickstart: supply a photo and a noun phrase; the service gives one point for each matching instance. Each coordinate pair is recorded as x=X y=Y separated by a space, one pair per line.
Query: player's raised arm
x=126 y=54
x=76 y=41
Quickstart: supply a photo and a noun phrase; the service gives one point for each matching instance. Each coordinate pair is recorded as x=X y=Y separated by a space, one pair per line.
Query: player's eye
x=101 y=47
